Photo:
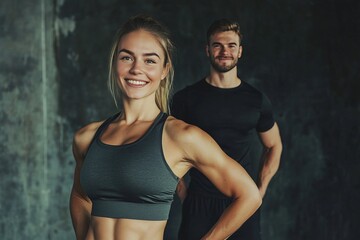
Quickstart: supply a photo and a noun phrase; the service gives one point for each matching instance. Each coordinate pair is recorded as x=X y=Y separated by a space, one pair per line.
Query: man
x=229 y=109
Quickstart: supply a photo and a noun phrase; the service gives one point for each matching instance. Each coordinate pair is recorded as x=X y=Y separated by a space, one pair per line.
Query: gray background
x=303 y=54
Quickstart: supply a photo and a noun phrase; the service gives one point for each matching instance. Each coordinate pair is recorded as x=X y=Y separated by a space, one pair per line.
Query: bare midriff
x=125 y=229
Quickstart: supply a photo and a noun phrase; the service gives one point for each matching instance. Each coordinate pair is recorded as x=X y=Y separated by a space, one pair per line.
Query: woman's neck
x=137 y=110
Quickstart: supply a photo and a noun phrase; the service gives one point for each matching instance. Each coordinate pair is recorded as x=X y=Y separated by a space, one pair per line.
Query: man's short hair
x=223 y=25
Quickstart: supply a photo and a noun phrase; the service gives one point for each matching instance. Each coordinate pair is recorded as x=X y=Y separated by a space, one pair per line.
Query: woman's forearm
x=234 y=216
x=80 y=215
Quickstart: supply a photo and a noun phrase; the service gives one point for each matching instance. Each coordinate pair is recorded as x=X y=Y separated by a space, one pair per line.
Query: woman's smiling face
x=140 y=64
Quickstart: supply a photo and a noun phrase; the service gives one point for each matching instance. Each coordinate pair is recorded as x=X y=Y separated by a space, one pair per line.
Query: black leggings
x=200 y=213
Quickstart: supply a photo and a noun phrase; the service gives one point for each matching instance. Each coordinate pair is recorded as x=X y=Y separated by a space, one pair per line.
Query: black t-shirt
x=229 y=115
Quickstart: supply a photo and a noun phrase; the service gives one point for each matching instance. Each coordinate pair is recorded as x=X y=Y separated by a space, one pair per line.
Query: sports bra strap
x=102 y=127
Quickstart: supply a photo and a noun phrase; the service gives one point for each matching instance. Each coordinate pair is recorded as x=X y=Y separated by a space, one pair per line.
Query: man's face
x=224 y=50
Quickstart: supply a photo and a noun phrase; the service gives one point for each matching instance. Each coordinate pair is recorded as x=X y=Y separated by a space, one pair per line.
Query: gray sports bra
x=132 y=180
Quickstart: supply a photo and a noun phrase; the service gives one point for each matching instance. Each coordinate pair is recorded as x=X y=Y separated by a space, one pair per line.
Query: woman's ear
x=165 y=71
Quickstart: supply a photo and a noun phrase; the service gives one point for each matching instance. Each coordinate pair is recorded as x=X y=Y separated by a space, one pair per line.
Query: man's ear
x=207 y=50
x=240 y=51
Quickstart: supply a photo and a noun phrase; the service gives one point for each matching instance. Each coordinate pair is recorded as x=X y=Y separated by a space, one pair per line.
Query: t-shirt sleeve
x=178 y=105
x=266 y=120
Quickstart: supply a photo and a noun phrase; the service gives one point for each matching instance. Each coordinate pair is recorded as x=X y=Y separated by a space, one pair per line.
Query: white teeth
x=136 y=82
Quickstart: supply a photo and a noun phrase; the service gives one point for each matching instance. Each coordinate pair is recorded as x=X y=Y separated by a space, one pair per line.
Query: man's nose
x=224 y=50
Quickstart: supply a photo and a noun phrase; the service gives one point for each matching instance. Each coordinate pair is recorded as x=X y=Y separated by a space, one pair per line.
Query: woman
x=128 y=166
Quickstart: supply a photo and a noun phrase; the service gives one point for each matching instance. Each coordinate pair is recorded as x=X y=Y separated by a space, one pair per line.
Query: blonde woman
x=128 y=166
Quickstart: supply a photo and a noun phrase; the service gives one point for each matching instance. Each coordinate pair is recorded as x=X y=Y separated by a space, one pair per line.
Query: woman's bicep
x=224 y=172
x=79 y=146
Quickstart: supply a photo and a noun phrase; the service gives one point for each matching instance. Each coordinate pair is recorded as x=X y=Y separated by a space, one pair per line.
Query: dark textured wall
x=303 y=54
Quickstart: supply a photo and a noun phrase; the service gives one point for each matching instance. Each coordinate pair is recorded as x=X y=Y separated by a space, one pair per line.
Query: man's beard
x=222 y=68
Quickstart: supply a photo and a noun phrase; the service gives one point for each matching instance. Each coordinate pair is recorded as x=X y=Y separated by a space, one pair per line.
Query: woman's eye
x=125 y=58
x=151 y=61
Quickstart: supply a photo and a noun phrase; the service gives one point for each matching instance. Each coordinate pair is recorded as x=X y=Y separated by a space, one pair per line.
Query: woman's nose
x=135 y=68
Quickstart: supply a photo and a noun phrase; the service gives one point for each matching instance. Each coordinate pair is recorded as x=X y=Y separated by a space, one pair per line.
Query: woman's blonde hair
x=147 y=23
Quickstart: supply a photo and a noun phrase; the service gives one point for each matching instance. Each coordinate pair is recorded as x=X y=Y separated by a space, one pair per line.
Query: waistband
x=140 y=211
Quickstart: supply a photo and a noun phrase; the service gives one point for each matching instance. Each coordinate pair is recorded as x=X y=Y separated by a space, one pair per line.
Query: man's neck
x=223 y=80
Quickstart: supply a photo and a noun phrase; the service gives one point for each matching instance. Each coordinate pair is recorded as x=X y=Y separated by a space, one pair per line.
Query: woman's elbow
x=254 y=198
x=250 y=197
x=257 y=199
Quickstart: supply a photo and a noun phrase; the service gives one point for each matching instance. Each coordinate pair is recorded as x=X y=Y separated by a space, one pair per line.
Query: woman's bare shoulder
x=84 y=135
x=198 y=146
x=182 y=132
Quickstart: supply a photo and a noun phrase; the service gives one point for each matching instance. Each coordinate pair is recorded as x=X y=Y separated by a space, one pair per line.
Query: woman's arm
x=80 y=204
x=80 y=209
x=202 y=152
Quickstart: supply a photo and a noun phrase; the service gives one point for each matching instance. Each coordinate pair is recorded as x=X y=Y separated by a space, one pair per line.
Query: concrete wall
x=35 y=156
x=303 y=54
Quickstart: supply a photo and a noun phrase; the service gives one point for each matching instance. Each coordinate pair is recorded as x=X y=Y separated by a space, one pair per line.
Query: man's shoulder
x=190 y=88
x=249 y=87
x=257 y=94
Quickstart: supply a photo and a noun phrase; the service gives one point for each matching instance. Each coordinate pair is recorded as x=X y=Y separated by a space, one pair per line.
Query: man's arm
x=181 y=190
x=270 y=159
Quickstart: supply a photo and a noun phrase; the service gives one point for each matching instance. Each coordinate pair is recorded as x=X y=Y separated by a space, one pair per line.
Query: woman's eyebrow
x=145 y=54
